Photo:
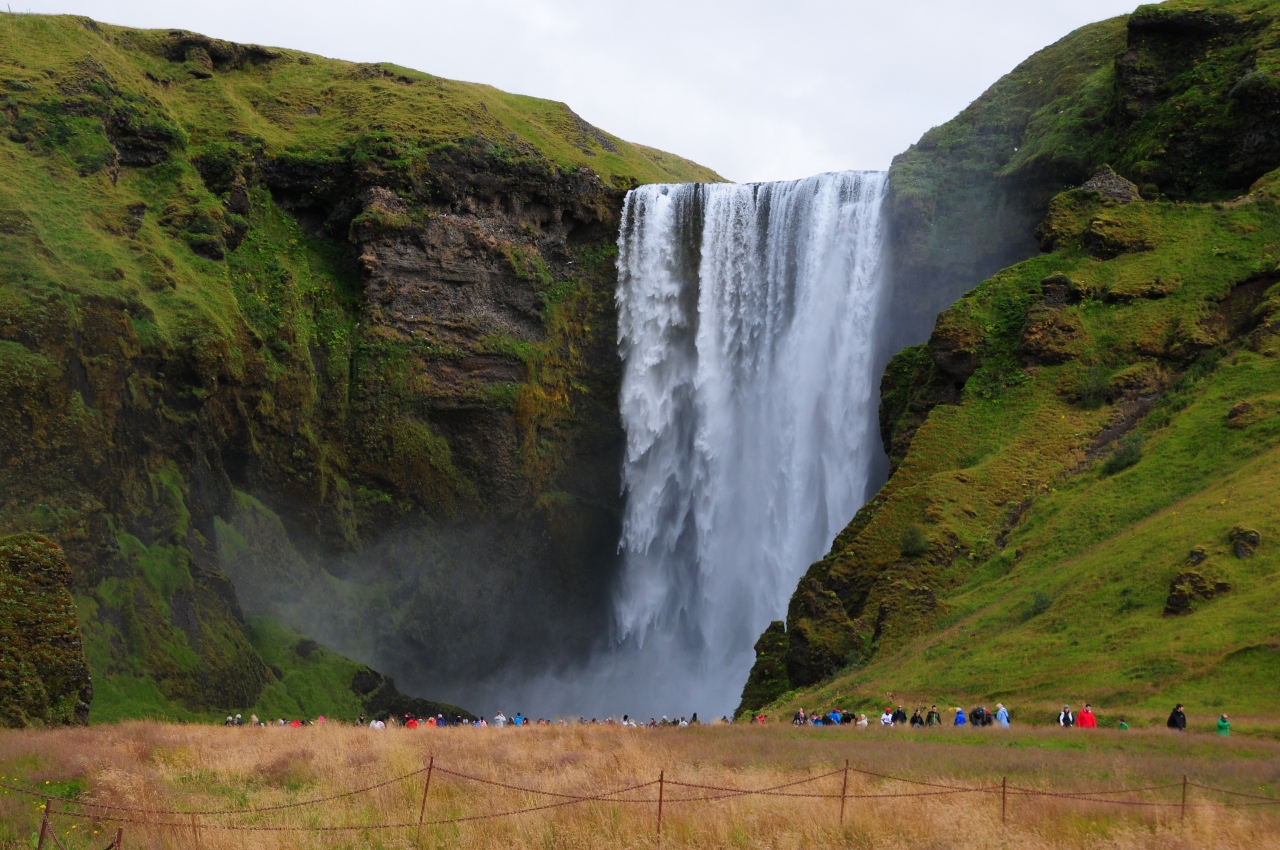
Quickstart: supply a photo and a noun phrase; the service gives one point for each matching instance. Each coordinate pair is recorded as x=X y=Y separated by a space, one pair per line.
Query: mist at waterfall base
x=750 y=337
x=749 y=398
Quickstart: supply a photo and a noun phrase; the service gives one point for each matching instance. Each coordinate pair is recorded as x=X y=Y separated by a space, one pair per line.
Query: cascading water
x=748 y=399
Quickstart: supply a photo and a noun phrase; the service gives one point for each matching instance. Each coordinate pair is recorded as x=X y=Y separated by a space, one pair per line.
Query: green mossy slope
x=1081 y=436
x=1088 y=435
x=1179 y=97
x=198 y=299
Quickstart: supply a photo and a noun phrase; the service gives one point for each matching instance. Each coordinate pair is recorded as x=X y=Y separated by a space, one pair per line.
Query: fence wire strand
x=143 y=816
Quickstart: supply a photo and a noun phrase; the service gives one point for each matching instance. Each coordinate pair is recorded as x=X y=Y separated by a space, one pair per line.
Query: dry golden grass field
x=161 y=773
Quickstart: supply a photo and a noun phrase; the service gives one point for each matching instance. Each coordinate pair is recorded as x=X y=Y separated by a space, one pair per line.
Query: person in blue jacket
x=1002 y=716
x=960 y=717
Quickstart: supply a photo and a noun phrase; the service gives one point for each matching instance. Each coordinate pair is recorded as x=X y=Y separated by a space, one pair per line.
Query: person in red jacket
x=1086 y=719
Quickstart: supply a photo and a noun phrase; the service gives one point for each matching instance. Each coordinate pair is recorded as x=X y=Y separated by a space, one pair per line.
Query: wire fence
x=655 y=792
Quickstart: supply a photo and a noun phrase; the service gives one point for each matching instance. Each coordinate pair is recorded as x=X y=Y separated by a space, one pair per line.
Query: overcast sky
x=756 y=90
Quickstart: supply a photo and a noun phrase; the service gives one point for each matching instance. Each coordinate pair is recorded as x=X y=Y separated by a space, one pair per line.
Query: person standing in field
x=1086 y=718
x=933 y=718
x=1224 y=726
x=886 y=719
x=960 y=719
x=900 y=716
x=1122 y=725
x=1177 y=719
x=862 y=721
x=1002 y=716
x=916 y=719
x=1066 y=719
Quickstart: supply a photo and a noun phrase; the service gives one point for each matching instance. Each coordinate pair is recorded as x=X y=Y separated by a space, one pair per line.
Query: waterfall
x=749 y=403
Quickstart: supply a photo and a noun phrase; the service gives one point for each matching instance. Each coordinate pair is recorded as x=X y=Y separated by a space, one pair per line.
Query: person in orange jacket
x=1086 y=718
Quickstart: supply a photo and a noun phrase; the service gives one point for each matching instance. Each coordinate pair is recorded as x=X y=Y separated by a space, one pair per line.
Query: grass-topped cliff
x=252 y=290
x=1085 y=454
x=1179 y=97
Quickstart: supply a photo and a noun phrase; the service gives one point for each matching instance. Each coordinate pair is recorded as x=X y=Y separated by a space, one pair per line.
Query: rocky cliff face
x=309 y=331
x=43 y=675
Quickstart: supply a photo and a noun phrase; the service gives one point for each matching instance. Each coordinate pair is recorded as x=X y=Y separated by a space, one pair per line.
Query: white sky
x=755 y=90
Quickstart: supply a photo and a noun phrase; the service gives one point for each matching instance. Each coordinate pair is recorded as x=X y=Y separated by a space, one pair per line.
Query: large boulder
x=1190 y=587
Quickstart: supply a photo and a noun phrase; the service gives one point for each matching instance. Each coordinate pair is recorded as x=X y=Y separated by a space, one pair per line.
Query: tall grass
x=159 y=766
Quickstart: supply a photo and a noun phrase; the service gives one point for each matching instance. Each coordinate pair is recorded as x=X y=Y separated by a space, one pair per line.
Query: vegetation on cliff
x=364 y=294
x=1179 y=97
x=1088 y=434
x=43 y=675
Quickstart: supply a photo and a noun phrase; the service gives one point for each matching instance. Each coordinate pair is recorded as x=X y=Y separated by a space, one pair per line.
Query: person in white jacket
x=499 y=720
x=886 y=719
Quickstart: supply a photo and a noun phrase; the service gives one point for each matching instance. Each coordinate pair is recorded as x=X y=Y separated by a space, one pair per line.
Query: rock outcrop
x=44 y=678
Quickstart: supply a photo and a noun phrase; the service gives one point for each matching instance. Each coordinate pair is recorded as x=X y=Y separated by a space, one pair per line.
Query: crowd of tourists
x=891 y=716
x=501 y=721
x=979 y=716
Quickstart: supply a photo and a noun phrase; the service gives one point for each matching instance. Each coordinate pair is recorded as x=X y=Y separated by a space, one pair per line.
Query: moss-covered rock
x=1244 y=541
x=768 y=679
x=1190 y=587
x=821 y=638
x=44 y=678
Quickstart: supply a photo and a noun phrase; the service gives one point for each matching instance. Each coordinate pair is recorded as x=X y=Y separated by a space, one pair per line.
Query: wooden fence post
x=431 y=765
x=44 y=825
x=1182 y=813
x=195 y=830
x=1004 y=797
x=119 y=842
x=661 y=782
x=844 y=787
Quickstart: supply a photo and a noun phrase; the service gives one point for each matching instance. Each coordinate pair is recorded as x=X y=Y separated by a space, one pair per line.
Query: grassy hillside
x=1114 y=440
x=1179 y=97
x=1082 y=500
x=191 y=307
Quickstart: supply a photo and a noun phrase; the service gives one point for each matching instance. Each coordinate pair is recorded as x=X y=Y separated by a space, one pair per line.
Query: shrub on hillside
x=1094 y=388
x=1127 y=453
x=1037 y=605
x=914 y=542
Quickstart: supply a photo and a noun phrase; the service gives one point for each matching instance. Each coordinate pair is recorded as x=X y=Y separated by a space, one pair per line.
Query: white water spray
x=748 y=397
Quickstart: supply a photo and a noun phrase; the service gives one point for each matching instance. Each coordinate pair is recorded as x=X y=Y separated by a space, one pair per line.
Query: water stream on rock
x=746 y=319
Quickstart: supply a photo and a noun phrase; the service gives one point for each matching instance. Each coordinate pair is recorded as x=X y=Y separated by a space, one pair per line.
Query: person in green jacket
x=1224 y=725
x=1122 y=725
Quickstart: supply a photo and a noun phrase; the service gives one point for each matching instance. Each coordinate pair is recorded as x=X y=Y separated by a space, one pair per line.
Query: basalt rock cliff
x=291 y=345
